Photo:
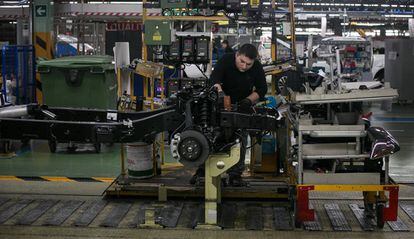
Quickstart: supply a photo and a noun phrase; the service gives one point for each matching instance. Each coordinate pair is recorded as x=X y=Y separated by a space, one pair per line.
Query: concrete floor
x=36 y=160
x=400 y=123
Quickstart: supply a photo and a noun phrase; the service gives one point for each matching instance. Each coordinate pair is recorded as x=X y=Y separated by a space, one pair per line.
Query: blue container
x=268 y=144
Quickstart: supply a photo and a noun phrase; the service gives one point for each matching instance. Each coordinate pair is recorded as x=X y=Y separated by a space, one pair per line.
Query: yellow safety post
x=144 y=18
x=43 y=13
x=216 y=165
x=162 y=146
x=119 y=81
x=152 y=89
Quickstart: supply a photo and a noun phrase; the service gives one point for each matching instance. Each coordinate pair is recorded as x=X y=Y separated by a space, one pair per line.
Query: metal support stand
x=304 y=213
x=216 y=165
x=387 y=168
x=162 y=193
x=150 y=218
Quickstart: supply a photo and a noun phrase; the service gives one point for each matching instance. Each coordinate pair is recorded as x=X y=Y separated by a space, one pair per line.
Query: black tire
x=380 y=215
x=52 y=146
x=199 y=141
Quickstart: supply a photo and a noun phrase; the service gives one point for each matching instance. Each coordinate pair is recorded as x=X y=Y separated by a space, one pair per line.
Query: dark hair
x=225 y=42
x=248 y=50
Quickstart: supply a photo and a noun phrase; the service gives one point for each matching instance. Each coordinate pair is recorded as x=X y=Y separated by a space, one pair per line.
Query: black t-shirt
x=236 y=84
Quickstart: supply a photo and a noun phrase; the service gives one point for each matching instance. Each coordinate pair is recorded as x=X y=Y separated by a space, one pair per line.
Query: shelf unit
x=337 y=151
x=355 y=55
x=350 y=149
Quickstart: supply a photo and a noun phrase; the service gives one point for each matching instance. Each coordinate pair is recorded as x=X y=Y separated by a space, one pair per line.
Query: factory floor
x=400 y=123
x=29 y=192
x=116 y=217
x=36 y=160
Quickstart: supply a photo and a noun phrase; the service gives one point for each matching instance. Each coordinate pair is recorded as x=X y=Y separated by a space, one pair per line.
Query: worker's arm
x=217 y=75
x=253 y=97
x=259 y=84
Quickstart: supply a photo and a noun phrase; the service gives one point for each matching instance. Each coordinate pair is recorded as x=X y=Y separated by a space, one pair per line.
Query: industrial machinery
x=202 y=49
x=201 y=126
x=336 y=147
x=174 y=51
x=189 y=49
x=348 y=57
x=174 y=85
x=196 y=113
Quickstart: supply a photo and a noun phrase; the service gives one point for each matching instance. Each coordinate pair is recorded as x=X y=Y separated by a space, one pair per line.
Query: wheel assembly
x=193 y=148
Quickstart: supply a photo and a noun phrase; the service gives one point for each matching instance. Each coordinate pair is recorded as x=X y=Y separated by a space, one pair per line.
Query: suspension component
x=204 y=113
x=193 y=148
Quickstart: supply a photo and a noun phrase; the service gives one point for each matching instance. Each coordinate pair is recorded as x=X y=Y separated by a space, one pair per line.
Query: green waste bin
x=79 y=82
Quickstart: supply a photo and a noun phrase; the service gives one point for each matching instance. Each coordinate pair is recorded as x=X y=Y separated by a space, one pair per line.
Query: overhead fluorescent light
x=398 y=16
x=15 y=6
x=100 y=2
x=370 y=24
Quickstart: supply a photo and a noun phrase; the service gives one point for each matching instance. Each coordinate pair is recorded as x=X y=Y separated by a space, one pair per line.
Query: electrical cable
x=201 y=71
x=227 y=145
x=252 y=145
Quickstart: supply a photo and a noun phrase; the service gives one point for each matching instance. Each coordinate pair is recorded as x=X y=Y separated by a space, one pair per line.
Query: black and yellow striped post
x=42 y=36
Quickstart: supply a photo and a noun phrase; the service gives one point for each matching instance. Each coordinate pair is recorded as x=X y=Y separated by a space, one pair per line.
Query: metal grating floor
x=332 y=215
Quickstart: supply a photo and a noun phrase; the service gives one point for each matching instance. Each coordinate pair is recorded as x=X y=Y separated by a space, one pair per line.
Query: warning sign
x=156 y=36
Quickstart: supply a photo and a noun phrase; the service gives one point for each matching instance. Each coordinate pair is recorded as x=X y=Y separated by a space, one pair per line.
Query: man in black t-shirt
x=240 y=76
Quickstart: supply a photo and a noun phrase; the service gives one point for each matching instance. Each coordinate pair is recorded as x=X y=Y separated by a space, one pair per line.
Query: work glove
x=221 y=94
x=245 y=106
